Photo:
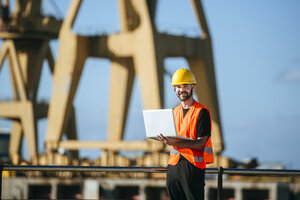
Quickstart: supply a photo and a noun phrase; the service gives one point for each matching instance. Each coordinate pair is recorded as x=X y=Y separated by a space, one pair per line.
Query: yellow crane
x=138 y=50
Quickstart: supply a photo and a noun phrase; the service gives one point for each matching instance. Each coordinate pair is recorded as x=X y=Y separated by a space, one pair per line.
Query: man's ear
x=193 y=86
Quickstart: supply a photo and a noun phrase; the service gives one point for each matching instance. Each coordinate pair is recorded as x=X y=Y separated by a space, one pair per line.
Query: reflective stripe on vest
x=208 y=150
x=174 y=151
x=196 y=158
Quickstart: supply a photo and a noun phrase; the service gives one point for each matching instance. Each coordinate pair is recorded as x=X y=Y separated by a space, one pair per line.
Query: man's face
x=184 y=91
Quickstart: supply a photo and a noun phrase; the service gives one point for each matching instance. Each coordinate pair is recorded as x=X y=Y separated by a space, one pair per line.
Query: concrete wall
x=143 y=188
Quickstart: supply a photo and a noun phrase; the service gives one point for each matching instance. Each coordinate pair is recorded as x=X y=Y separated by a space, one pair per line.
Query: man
x=188 y=158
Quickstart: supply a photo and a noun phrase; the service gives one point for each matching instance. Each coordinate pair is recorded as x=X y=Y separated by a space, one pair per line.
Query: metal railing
x=220 y=171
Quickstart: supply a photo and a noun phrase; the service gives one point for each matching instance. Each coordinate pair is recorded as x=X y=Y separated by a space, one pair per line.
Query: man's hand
x=167 y=140
x=162 y=138
x=197 y=144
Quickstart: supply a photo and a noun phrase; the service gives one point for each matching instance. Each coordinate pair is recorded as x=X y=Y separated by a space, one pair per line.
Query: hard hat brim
x=183 y=83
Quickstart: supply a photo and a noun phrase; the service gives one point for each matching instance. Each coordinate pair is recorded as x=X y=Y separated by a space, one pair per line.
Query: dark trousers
x=185 y=181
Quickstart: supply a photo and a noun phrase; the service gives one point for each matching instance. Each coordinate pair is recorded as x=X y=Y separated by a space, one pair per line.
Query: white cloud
x=291 y=75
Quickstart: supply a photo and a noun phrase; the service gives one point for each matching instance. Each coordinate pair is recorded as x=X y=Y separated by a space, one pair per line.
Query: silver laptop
x=160 y=121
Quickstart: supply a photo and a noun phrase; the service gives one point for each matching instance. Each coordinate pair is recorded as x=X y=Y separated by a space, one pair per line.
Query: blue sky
x=256 y=48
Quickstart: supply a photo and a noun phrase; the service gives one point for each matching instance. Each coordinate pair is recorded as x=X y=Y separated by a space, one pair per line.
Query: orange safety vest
x=187 y=127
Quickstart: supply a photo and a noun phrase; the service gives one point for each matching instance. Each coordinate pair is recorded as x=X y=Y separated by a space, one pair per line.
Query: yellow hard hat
x=183 y=76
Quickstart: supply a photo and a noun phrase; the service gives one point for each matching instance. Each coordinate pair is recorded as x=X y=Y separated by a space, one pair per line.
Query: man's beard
x=186 y=97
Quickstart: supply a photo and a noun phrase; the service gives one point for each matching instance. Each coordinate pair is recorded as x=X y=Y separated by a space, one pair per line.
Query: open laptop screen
x=161 y=121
